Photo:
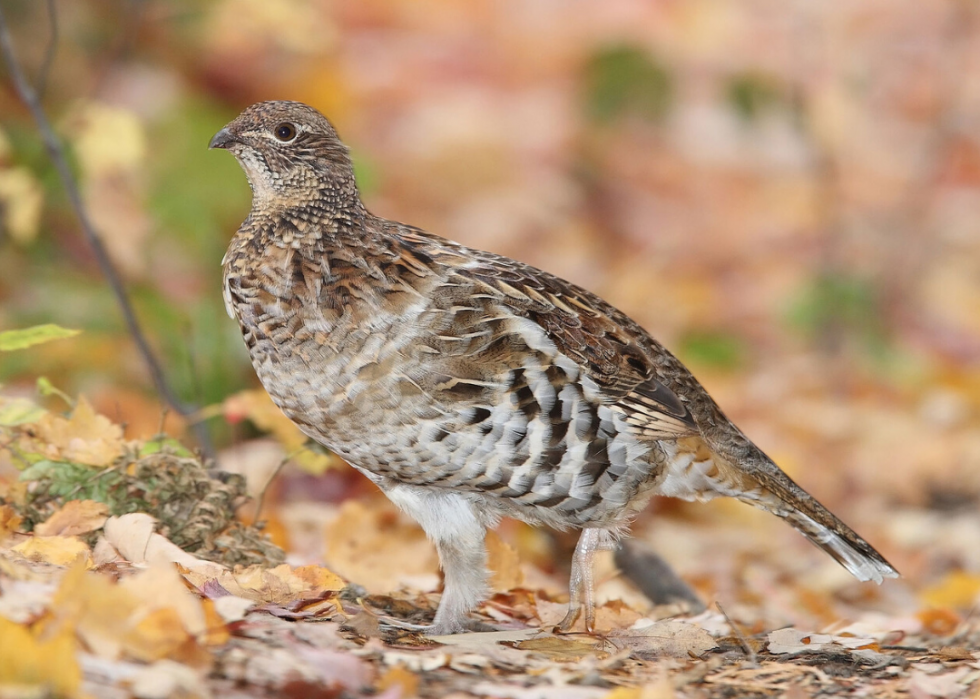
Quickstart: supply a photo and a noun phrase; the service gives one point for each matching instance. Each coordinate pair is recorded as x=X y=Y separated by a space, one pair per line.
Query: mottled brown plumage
x=467 y=385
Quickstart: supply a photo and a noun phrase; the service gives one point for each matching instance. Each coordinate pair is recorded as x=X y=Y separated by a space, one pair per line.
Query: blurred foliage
x=837 y=305
x=623 y=80
x=752 y=94
x=716 y=350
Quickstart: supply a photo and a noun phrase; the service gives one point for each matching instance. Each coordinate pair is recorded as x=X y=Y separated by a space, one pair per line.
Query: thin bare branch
x=49 y=51
x=56 y=152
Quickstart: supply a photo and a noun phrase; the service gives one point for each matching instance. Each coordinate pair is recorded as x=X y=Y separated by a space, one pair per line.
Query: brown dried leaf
x=74 y=518
x=668 y=637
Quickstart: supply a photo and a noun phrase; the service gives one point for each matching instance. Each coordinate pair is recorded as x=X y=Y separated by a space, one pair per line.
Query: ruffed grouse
x=469 y=386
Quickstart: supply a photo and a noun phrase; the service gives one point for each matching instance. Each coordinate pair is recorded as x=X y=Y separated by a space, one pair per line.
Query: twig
x=49 y=51
x=56 y=152
x=749 y=650
x=260 y=503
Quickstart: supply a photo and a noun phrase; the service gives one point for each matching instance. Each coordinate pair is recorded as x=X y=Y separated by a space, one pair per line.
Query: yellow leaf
x=85 y=438
x=21 y=202
x=108 y=140
x=58 y=550
x=958 y=590
x=31 y=663
x=162 y=586
x=158 y=634
x=96 y=607
x=75 y=517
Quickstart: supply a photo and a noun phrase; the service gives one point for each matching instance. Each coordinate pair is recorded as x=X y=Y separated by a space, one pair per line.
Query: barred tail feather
x=844 y=545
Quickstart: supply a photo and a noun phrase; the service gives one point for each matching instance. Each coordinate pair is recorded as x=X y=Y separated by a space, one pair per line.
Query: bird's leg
x=580 y=584
x=452 y=525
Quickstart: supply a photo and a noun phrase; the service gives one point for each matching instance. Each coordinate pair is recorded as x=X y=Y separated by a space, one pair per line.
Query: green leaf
x=19 y=411
x=28 y=337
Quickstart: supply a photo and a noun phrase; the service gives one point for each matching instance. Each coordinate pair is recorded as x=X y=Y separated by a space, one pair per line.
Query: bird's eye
x=285 y=132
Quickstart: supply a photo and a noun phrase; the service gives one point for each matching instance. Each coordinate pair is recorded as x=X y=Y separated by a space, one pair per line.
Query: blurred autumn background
x=785 y=194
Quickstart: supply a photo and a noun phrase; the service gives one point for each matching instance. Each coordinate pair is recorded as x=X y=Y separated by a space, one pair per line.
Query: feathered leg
x=451 y=523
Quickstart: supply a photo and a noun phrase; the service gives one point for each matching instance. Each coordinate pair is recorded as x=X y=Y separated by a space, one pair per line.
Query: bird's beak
x=223 y=139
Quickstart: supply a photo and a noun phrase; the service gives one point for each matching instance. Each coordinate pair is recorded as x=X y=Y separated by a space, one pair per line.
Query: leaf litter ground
x=127 y=569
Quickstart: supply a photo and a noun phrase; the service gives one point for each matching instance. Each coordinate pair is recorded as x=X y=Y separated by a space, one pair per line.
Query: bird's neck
x=330 y=217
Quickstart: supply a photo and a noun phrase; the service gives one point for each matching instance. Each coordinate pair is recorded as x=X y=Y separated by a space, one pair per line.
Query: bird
x=469 y=386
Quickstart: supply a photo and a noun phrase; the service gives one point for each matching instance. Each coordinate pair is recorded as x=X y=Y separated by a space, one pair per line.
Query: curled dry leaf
x=134 y=538
x=74 y=518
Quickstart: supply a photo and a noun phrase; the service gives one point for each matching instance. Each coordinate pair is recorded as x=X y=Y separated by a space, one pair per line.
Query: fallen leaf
x=162 y=586
x=97 y=609
x=45 y=665
x=407 y=682
x=561 y=648
x=85 y=438
x=59 y=550
x=940 y=622
x=374 y=545
x=134 y=538
x=943 y=686
x=504 y=564
x=10 y=522
x=667 y=637
x=231 y=608
x=166 y=678
x=793 y=641
x=74 y=518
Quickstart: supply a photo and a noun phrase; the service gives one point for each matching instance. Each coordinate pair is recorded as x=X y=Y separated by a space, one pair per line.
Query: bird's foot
x=440 y=629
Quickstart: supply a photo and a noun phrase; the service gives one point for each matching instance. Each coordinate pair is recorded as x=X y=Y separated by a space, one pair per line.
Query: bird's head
x=290 y=153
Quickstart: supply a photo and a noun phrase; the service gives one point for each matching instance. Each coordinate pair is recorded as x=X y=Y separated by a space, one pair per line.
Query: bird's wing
x=629 y=370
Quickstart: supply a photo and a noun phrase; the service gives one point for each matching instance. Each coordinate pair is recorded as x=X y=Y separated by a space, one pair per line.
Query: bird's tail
x=779 y=494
